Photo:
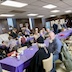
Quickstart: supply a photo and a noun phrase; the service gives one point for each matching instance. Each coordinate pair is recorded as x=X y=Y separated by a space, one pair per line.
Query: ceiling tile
x=50 y=1
x=39 y=3
x=62 y=5
x=26 y=1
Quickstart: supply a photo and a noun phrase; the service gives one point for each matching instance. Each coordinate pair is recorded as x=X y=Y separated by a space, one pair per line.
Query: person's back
x=55 y=27
x=12 y=43
x=36 y=64
x=23 y=40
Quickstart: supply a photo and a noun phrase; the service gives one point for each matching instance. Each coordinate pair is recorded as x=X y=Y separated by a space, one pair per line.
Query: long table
x=12 y=64
x=65 y=33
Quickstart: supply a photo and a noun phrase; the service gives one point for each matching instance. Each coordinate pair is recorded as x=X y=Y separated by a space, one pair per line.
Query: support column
x=32 y=23
x=43 y=22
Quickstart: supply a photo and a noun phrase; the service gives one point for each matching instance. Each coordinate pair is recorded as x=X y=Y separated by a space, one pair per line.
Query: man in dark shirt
x=55 y=27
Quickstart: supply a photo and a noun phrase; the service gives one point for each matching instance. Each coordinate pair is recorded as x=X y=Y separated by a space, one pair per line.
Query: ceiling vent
x=17 y=11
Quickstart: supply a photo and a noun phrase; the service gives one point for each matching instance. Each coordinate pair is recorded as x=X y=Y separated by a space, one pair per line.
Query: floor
x=60 y=66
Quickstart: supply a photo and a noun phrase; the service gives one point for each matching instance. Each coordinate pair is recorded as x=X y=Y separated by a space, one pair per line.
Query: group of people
x=44 y=52
x=59 y=27
x=19 y=39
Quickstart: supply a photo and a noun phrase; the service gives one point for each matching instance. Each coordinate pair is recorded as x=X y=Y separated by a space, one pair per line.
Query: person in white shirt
x=12 y=44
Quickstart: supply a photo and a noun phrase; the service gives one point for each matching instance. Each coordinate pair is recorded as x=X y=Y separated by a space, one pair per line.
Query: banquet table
x=12 y=64
x=64 y=33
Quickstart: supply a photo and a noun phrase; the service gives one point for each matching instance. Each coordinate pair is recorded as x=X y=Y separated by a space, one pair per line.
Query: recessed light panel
x=50 y=6
x=14 y=4
x=55 y=11
x=40 y=16
x=7 y=15
x=32 y=14
x=68 y=11
x=52 y=15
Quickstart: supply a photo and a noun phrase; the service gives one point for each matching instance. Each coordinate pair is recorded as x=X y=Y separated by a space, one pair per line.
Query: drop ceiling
x=36 y=6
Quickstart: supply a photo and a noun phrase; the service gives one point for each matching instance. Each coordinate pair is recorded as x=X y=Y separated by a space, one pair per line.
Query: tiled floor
x=60 y=67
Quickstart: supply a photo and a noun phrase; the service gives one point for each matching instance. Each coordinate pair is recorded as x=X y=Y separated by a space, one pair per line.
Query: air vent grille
x=17 y=11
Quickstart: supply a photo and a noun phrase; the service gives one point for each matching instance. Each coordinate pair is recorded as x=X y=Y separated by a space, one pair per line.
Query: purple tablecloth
x=13 y=65
x=65 y=33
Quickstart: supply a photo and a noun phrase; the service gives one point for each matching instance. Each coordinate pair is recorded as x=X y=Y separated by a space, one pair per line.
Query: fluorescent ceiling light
x=50 y=6
x=7 y=15
x=40 y=16
x=32 y=14
x=55 y=11
x=14 y=4
x=52 y=15
x=68 y=11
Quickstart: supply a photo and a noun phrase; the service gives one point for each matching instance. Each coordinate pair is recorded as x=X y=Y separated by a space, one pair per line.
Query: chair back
x=48 y=63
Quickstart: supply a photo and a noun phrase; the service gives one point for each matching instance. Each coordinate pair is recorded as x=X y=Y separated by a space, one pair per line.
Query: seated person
x=41 y=33
x=27 y=30
x=44 y=30
x=14 y=33
x=47 y=33
x=12 y=44
x=4 y=47
x=36 y=34
x=23 y=41
x=36 y=62
x=26 y=34
x=55 y=46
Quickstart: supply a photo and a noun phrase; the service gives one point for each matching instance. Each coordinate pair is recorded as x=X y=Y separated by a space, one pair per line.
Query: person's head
x=44 y=29
x=40 y=42
x=10 y=38
x=51 y=35
x=36 y=30
x=2 y=42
